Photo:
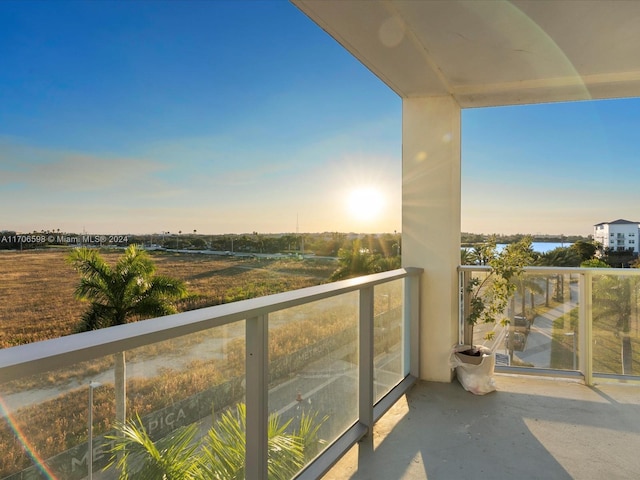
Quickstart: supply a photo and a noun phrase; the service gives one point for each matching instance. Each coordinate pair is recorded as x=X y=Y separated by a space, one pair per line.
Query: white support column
x=431 y=222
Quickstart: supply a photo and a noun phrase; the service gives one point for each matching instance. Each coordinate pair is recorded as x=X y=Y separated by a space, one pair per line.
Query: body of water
x=541 y=247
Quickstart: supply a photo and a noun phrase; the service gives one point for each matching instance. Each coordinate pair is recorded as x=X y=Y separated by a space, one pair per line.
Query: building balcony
x=567 y=402
x=329 y=353
x=347 y=355
x=351 y=351
x=530 y=428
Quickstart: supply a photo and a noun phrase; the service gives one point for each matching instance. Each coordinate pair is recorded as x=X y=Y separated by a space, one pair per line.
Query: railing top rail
x=568 y=270
x=39 y=357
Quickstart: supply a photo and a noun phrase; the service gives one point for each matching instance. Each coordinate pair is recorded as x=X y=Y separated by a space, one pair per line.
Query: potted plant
x=488 y=298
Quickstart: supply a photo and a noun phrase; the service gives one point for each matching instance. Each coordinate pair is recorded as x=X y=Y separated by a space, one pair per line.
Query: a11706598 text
x=33 y=239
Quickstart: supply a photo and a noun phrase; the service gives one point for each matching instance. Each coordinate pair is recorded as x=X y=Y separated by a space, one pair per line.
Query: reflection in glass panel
x=189 y=381
x=169 y=385
x=44 y=421
x=313 y=367
x=615 y=324
x=543 y=327
x=388 y=331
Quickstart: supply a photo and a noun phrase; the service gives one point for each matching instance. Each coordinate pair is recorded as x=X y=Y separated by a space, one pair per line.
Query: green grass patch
x=606 y=346
x=562 y=345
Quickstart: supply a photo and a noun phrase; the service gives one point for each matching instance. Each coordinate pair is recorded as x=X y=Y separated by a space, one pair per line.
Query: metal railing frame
x=585 y=319
x=31 y=359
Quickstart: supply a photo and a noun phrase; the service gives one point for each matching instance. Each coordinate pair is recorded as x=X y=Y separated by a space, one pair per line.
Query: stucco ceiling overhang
x=490 y=53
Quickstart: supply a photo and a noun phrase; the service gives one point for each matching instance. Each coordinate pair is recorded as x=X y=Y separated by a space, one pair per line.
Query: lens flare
x=37 y=461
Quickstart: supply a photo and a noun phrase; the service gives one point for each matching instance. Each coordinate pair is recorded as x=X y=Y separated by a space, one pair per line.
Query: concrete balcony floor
x=530 y=428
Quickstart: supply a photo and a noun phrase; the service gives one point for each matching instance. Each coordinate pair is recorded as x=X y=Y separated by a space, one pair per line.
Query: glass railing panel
x=169 y=385
x=197 y=382
x=542 y=328
x=44 y=421
x=616 y=324
x=481 y=332
x=194 y=382
x=388 y=335
x=313 y=370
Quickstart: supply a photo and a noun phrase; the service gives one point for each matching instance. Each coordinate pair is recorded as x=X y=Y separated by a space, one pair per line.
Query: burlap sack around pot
x=474 y=368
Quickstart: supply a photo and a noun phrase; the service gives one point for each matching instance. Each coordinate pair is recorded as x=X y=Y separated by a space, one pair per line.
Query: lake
x=541 y=247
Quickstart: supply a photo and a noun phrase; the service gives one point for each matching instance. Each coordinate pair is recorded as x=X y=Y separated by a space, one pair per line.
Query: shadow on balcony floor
x=531 y=428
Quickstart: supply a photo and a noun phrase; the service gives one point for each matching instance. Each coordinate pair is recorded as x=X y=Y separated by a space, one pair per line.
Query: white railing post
x=120 y=386
x=256 y=397
x=465 y=331
x=461 y=312
x=365 y=383
x=412 y=326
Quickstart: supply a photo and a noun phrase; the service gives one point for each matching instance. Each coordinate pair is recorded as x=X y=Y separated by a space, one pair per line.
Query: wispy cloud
x=68 y=171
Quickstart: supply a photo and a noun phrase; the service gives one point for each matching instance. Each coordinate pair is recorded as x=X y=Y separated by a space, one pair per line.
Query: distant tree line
x=580 y=253
x=322 y=244
x=471 y=239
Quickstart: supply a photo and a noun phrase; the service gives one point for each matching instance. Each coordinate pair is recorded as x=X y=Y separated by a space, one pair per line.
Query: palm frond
x=136 y=456
x=308 y=433
x=89 y=263
x=220 y=455
x=128 y=291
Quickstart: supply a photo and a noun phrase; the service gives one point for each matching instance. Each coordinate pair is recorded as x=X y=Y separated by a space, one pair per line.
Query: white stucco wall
x=431 y=222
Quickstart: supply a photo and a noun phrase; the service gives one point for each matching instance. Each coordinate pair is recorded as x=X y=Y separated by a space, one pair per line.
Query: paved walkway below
x=537 y=351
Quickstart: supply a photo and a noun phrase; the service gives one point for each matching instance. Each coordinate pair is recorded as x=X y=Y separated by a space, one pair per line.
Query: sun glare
x=365 y=203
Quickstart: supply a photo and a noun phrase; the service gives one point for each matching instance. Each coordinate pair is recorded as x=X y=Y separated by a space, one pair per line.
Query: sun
x=365 y=203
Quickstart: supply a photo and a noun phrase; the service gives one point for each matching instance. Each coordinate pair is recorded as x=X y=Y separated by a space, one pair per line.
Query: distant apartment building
x=618 y=236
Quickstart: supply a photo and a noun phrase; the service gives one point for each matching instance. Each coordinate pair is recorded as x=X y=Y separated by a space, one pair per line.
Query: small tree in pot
x=488 y=298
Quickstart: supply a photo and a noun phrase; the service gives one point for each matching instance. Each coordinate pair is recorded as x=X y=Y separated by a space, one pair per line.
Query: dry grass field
x=37 y=287
x=37 y=302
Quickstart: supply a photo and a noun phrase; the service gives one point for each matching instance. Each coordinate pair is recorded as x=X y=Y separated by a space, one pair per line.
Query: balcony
x=574 y=322
x=530 y=428
x=364 y=342
x=567 y=401
x=329 y=353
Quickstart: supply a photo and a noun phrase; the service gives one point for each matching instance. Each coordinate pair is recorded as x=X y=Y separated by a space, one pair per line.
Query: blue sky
x=554 y=168
x=221 y=117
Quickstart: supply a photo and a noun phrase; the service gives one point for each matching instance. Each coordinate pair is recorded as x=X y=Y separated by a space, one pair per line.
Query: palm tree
x=467 y=257
x=219 y=454
x=527 y=283
x=128 y=291
x=483 y=253
x=125 y=292
x=558 y=257
x=355 y=261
